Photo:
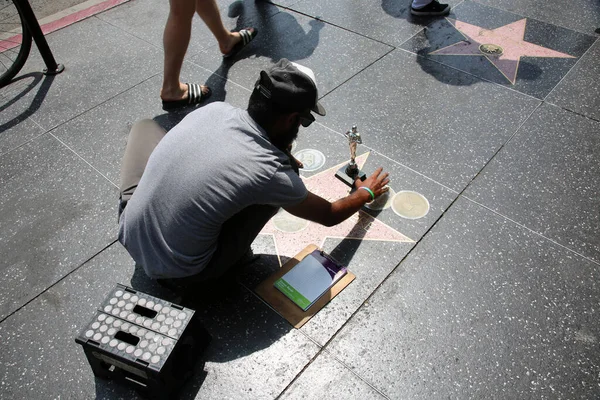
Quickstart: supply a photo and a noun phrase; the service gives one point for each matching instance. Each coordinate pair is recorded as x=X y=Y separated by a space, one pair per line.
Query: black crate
x=145 y=341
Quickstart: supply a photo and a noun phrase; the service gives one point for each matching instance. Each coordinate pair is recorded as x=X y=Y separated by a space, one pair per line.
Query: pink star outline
x=360 y=226
x=508 y=37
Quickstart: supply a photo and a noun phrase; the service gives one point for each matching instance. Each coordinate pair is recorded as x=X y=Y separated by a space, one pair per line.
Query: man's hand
x=376 y=182
x=317 y=209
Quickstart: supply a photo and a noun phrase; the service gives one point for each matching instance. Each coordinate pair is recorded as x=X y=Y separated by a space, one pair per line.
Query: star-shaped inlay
x=292 y=234
x=503 y=46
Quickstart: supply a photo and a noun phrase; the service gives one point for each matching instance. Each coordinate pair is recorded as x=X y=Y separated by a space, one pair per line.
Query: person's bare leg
x=209 y=12
x=176 y=39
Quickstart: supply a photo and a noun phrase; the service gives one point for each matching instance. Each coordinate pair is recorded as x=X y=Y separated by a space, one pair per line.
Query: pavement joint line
x=84 y=160
x=535 y=19
x=501 y=147
x=339 y=334
x=129 y=32
x=573 y=112
x=417 y=172
x=24 y=143
x=476 y=76
x=461 y=194
x=361 y=71
x=372 y=149
x=571 y=69
x=532 y=231
x=412 y=249
x=55 y=127
x=101 y=103
x=542 y=101
x=325 y=350
x=322 y=349
x=317 y=18
x=58 y=281
x=214 y=72
x=304 y=368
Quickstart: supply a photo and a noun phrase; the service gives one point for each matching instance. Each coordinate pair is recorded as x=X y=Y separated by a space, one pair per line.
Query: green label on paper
x=292 y=293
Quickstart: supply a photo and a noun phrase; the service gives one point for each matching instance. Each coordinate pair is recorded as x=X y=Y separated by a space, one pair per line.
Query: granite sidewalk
x=489 y=290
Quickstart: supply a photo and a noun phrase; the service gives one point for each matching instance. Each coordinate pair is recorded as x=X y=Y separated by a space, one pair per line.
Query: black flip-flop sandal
x=247 y=34
x=195 y=97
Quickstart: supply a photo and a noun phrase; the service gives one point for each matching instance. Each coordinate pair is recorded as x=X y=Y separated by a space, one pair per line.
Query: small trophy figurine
x=350 y=172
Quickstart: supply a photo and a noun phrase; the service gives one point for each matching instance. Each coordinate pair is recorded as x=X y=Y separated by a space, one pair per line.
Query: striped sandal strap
x=194 y=93
x=246 y=36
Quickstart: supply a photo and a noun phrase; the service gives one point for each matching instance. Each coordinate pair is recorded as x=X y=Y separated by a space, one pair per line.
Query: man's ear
x=292 y=119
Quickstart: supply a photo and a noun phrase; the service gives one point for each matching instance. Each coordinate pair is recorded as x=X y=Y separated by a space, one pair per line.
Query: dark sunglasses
x=306 y=121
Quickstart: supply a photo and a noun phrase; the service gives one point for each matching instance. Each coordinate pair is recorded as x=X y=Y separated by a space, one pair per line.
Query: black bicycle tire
x=19 y=61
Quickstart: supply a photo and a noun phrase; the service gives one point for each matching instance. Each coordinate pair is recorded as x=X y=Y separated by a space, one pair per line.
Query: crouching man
x=193 y=201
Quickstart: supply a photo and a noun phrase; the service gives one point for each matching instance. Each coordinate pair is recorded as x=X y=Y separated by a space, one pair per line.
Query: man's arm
x=317 y=209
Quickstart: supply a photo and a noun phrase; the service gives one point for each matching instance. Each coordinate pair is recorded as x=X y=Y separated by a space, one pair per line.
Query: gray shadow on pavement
x=36 y=102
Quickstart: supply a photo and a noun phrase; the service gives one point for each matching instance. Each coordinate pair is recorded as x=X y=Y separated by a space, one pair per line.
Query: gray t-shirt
x=213 y=164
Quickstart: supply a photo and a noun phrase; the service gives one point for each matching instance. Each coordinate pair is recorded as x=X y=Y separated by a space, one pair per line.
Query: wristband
x=370 y=192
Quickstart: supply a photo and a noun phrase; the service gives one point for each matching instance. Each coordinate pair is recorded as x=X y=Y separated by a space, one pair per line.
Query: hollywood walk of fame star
x=292 y=234
x=503 y=46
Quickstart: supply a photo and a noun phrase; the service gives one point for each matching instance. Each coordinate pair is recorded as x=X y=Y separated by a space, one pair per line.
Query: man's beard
x=285 y=139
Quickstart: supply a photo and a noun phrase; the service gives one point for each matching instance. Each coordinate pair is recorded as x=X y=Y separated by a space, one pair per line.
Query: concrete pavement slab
x=56 y=213
x=326 y=378
x=546 y=177
x=100 y=136
x=239 y=14
x=578 y=15
x=438 y=121
x=286 y=3
x=44 y=8
x=47 y=11
x=16 y=126
x=247 y=340
x=255 y=353
x=101 y=62
x=481 y=308
x=133 y=17
x=38 y=343
x=389 y=21
x=578 y=91
x=304 y=40
x=520 y=53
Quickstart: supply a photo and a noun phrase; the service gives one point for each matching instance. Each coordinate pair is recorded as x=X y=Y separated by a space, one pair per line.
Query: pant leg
x=143 y=138
x=237 y=234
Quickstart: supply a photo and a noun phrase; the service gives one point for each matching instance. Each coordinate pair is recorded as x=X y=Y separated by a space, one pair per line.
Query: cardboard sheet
x=284 y=306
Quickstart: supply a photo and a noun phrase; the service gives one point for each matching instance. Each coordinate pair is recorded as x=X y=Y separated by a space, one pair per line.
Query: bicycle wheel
x=15 y=41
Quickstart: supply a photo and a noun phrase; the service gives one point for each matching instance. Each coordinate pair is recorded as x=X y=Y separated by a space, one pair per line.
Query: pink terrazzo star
x=503 y=46
x=360 y=226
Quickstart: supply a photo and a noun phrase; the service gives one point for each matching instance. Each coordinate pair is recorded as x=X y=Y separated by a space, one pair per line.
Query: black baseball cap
x=290 y=87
